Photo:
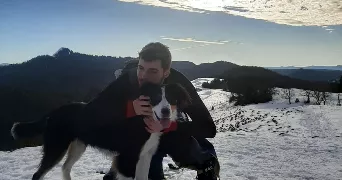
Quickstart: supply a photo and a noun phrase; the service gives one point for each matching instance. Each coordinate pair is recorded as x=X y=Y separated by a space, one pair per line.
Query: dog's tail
x=28 y=129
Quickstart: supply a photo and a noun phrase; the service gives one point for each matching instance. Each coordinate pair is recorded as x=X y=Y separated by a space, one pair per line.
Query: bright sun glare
x=290 y=12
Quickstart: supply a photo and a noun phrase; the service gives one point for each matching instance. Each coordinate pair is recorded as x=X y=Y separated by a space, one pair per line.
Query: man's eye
x=153 y=72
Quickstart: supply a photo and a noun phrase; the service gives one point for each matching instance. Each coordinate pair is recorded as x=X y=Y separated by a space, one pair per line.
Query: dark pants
x=206 y=146
x=199 y=150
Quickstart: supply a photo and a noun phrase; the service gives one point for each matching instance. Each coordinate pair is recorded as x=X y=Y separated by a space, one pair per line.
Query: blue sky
x=113 y=28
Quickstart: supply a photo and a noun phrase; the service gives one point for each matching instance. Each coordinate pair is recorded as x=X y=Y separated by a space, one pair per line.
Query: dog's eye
x=172 y=100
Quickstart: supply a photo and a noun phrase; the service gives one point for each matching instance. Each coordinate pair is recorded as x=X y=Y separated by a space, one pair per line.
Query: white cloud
x=290 y=12
x=201 y=42
x=193 y=40
x=330 y=30
x=189 y=47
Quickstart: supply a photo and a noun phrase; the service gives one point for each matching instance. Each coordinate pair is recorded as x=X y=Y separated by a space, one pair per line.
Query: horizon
x=276 y=67
x=202 y=32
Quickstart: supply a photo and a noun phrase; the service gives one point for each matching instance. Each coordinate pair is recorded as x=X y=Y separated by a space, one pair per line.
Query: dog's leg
x=76 y=149
x=118 y=175
x=51 y=156
x=47 y=163
x=143 y=167
x=148 y=150
x=122 y=177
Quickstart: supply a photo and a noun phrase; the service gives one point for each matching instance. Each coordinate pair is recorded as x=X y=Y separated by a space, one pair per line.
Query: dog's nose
x=165 y=111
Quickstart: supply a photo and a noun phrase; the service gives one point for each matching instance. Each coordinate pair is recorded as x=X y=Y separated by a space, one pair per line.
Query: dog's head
x=166 y=100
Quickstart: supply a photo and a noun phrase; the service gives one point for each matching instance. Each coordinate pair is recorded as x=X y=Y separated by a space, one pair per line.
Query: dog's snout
x=165 y=111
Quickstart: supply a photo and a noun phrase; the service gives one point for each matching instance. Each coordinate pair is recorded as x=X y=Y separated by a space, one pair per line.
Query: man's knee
x=206 y=146
x=205 y=143
x=188 y=150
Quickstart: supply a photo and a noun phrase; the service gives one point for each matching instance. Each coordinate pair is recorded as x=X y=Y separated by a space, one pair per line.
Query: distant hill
x=259 y=76
x=208 y=70
x=311 y=74
x=84 y=75
x=183 y=65
x=73 y=73
x=338 y=67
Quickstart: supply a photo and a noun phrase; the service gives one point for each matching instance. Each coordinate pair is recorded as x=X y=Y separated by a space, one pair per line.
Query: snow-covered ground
x=265 y=141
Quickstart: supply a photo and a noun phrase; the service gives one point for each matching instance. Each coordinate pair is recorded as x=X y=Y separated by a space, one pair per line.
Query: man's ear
x=166 y=73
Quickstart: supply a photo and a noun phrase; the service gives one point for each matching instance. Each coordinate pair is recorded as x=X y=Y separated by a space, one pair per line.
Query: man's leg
x=206 y=146
x=187 y=152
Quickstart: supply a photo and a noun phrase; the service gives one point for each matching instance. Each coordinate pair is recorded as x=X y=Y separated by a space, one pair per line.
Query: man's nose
x=144 y=75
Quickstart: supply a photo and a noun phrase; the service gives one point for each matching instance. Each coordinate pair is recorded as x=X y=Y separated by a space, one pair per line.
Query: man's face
x=151 y=71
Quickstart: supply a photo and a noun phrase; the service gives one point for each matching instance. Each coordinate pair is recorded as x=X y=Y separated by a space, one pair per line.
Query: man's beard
x=143 y=81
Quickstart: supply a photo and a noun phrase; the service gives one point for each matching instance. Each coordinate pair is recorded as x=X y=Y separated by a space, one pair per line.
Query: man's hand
x=142 y=106
x=153 y=126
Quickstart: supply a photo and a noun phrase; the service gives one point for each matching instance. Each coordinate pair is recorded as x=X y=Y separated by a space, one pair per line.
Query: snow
x=274 y=140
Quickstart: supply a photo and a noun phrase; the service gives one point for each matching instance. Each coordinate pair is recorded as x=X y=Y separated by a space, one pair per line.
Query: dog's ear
x=179 y=93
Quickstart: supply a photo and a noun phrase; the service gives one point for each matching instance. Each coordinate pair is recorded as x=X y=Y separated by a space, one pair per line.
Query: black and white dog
x=126 y=140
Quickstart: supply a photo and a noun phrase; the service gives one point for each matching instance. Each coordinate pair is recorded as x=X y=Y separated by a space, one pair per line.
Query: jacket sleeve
x=202 y=124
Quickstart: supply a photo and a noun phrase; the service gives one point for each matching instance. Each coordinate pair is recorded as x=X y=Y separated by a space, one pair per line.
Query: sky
x=264 y=33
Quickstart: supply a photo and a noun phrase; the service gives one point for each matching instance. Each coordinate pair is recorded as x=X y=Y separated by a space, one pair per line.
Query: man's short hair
x=156 y=51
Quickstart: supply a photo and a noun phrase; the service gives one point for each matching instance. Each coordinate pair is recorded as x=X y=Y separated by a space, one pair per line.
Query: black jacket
x=110 y=105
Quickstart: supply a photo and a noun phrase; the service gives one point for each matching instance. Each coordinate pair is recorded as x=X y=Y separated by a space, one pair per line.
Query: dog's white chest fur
x=151 y=144
x=146 y=154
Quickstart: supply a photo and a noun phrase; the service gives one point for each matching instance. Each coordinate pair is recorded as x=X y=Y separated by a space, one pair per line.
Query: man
x=179 y=141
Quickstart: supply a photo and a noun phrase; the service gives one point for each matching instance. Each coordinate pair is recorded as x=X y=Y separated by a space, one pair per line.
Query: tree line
x=318 y=95
x=251 y=85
